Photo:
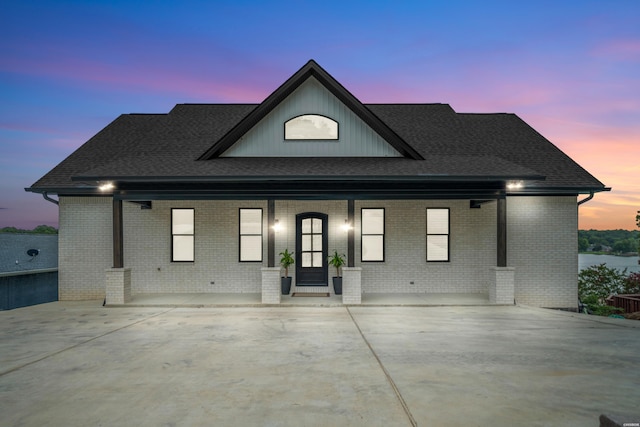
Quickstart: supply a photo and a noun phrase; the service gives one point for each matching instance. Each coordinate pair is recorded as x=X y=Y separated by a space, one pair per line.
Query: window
x=311 y=126
x=312 y=242
x=437 y=234
x=250 y=235
x=372 y=235
x=182 y=235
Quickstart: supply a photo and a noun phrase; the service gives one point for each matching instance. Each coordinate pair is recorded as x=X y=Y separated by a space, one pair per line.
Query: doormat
x=309 y=294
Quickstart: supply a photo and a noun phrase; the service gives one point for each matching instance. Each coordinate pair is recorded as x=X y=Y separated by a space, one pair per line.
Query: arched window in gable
x=311 y=126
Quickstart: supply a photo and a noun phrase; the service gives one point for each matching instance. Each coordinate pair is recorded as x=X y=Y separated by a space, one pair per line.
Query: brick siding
x=542 y=235
x=85 y=247
x=542 y=242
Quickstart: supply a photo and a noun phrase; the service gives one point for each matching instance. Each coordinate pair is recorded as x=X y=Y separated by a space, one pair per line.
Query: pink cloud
x=26 y=210
x=620 y=49
x=601 y=215
x=142 y=80
x=204 y=80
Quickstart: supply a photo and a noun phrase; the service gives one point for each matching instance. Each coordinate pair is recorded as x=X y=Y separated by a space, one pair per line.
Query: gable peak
x=310 y=69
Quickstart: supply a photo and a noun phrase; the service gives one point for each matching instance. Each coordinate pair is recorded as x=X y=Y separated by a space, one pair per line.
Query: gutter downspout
x=585 y=200
x=49 y=199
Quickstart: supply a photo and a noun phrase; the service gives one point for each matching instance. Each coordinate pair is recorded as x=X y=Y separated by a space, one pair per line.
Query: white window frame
x=181 y=234
x=436 y=235
x=247 y=235
x=365 y=234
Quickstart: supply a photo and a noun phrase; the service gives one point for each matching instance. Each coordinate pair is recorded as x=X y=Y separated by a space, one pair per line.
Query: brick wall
x=85 y=247
x=147 y=237
x=472 y=249
x=286 y=211
x=542 y=236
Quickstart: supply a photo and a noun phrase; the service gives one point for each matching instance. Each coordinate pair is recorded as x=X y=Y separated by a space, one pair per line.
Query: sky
x=569 y=68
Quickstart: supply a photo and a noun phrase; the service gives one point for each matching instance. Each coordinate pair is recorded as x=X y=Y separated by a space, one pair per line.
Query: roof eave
x=309 y=178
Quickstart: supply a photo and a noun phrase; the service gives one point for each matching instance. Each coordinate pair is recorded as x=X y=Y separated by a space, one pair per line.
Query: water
x=618 y=262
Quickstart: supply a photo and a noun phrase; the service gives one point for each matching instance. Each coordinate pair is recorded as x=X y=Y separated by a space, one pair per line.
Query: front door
x=311 y=249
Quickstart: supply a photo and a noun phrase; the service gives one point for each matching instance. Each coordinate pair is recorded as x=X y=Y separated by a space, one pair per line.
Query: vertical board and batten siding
x=355 y=138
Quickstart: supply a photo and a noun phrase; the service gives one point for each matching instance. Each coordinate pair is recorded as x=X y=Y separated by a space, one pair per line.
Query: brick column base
x=271 y=285
x=118 y=285
x=502 y=287
x=351 y=285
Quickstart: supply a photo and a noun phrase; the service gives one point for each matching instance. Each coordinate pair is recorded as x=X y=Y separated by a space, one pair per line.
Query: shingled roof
x=437 y=145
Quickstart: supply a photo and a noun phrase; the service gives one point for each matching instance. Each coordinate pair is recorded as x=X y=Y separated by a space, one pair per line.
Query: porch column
x=502 y=231
x=271 y=233
x=118 y=286
x=502 y=286
x=118 y=245
x=118 y=278
x=351 y=285
x=271 y=289
x=350 y=234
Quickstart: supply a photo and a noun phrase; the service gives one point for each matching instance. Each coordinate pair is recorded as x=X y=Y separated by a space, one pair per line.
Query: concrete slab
x=78 y=364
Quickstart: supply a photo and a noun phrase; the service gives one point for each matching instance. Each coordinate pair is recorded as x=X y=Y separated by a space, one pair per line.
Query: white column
x=271 y=285
x=351 y=285
x=118 y=285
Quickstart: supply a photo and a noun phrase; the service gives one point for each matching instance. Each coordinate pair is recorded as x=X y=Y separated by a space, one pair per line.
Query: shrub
x=632 y=284
x=600 y=281
x=605 y=310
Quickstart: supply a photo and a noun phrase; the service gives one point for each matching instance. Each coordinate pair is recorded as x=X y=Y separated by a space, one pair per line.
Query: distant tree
x=599 y=238
x=583 y=244
x=45 y=229
x=596 y=240
x=41 y=229
x=623 y=246
x=638 y=225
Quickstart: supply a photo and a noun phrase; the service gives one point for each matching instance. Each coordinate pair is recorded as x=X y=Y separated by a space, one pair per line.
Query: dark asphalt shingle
x=473 y=145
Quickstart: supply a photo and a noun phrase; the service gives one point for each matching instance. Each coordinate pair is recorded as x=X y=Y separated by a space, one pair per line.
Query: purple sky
x=571 y=69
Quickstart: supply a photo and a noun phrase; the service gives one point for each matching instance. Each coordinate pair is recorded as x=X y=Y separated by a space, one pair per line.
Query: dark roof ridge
x=144 y=114
x=216 y=103
x=486 y=114
x=406 y=103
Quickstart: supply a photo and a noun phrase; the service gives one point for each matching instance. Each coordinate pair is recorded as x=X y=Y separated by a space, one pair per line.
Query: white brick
x=542 y=235
x=352 y=285
x=118 y=285
x=85 y=247
x=271 y=289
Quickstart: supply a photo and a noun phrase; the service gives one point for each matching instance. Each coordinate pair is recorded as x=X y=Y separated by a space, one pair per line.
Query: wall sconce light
x=106 y=186
x=276 y=226
x=346 y=227
x=514 y=185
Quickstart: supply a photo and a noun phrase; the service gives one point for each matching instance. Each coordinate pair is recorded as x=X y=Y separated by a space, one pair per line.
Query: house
x=28 y=269
x=419 y=198
x=20 y=252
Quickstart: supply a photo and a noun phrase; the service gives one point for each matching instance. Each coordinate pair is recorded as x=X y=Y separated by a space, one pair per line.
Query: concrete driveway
x=79 y=364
